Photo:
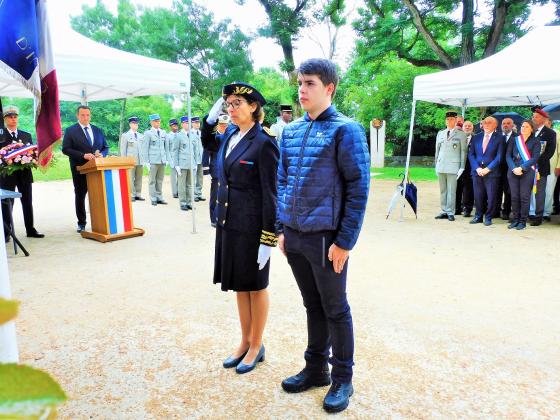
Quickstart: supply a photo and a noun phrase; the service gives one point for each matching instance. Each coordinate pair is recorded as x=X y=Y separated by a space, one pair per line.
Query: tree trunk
x=467 y=33
x=499 y=15
x=121 y=125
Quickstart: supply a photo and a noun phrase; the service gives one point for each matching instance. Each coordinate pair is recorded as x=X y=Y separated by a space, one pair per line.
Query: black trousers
x=22 y=182
x=485 y=195
x=329 y=321
x=80 y=191
x=213 y=198
x=503 y=203
x=468 y=192
x=521 y=187
x=556 y=201
x=459 y=194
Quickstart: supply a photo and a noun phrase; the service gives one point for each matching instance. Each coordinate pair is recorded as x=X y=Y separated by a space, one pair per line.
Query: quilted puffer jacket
x=323 y=176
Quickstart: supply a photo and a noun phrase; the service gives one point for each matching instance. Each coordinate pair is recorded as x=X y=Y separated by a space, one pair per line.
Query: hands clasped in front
x=337 y=255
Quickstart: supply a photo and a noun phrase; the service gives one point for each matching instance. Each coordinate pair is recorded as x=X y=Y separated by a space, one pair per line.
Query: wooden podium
x=109 y=199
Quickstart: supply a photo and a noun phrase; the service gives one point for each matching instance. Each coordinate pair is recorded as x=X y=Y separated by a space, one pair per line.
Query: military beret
x=184 y=119
x=450 y=114
x=154 y=117
x=243 y=89
x=223 y=119
x=11 y=110
x=537 y=109
x=286 y=108
x=133 y=120
x=173 y=121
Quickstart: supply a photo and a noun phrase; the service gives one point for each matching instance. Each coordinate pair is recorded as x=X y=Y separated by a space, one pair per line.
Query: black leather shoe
x=154 y=203
x=162 y=202
x=451 y=218
x=467 y=214
x=306 y=379
x=505 y=216
x=185 y=207
x=487 y=222
x=81 y=228
x=7 y=239
x=175 y=195
x=441 y=216
x=458 y=212
x=520 y=226
x=201 y=199
x=555 y=212
x=243 y=368
x=547 y=218
x=536 y=222
x=140 y=198
x=513 y=224
x=233 y=361
x=35 y=234
x=476 y=220
x=338 y=397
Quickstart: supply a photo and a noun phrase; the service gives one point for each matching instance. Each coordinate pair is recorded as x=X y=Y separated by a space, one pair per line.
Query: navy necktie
x=135 y=136
x=88 y=136
x=14 y=135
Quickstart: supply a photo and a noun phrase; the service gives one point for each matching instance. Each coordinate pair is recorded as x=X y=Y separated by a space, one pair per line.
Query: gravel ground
x=451 y=320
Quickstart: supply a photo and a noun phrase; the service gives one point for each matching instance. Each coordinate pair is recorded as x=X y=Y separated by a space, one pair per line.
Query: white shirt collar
x=84 y=126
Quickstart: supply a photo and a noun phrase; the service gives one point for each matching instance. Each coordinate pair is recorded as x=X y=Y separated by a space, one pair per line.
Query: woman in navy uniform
x=521 y=157
x=246 y=164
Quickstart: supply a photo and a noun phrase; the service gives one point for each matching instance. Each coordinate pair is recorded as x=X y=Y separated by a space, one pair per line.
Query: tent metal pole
x=84 y=100
x=193 y=162
x=408 y=150
x=121 y=123
x=8 y=340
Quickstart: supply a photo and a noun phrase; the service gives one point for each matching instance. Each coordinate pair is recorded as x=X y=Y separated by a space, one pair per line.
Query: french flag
x=26 y=53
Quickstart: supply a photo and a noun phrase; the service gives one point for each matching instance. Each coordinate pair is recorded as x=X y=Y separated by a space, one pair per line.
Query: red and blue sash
x=526 y=155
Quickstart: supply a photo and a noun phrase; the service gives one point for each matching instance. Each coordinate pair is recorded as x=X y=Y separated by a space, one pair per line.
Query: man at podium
x=82 y=142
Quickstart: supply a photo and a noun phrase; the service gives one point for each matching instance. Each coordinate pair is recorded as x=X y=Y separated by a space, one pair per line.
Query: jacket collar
x=325 y=115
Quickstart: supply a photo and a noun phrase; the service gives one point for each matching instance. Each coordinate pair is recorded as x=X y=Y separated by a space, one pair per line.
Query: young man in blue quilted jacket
x=323 y=183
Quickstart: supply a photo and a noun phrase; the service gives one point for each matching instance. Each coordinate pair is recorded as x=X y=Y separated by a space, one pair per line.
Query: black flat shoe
x=487 y=222
x=162 y=202
x=175 y=196
x=306 y=379
x=242 y=368
x=513 y=224
x=233 y=361
x=441 y=216
x=140 y=198
x=451 y=218
x=81 y=228
x=35 y=234
x=520 y=226
x=338 y=397
x=467 y=214
x=201 y=199
x=547 y=218
x=536 y=222
x=475 y=220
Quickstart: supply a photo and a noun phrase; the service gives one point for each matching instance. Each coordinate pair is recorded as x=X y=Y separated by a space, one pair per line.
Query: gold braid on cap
x=268 y=238
x=241 y=90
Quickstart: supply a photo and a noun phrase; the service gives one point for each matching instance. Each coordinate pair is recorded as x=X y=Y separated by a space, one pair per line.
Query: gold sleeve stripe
x=268 y=238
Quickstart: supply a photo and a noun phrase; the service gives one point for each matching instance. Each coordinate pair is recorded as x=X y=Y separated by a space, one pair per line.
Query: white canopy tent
x=515 y=75
x=90 y=71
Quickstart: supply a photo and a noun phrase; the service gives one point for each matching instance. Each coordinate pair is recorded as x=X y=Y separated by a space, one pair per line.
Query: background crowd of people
x=503 y=172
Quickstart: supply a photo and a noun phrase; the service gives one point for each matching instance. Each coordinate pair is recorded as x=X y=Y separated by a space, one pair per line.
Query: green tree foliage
x=25 y=392
x=276 y=91
x=431 y=33
x=216 y=52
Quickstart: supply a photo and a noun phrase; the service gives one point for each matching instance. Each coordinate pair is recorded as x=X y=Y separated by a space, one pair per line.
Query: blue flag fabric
x=19 y=43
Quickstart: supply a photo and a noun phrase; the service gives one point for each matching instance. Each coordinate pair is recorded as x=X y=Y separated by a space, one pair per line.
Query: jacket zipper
x=305 y=136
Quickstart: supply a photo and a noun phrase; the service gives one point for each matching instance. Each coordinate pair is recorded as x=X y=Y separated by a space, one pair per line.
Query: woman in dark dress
x=246 y=165
x=522 y=155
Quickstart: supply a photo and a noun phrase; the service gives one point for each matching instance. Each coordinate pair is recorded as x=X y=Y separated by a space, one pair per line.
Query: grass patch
x=416 y=173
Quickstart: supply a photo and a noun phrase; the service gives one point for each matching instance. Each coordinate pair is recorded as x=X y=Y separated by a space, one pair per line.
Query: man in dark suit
x=503 y=208
x=82 y=142
x=21 y=179
x=485 y=155
x=547 y=137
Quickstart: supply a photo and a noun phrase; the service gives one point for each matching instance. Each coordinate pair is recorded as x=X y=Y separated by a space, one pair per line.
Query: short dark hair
x=82 y=107
x=257 y=112
x=322 y=68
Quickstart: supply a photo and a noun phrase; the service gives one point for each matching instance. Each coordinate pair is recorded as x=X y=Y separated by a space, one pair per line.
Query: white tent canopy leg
x=408 y=150
x=8 y=342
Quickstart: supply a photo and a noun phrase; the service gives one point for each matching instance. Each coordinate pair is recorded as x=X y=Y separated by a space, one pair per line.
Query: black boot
x=306 y=379
x=338 y=397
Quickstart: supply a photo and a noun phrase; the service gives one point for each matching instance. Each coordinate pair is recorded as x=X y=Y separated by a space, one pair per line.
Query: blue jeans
x=329 y=321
